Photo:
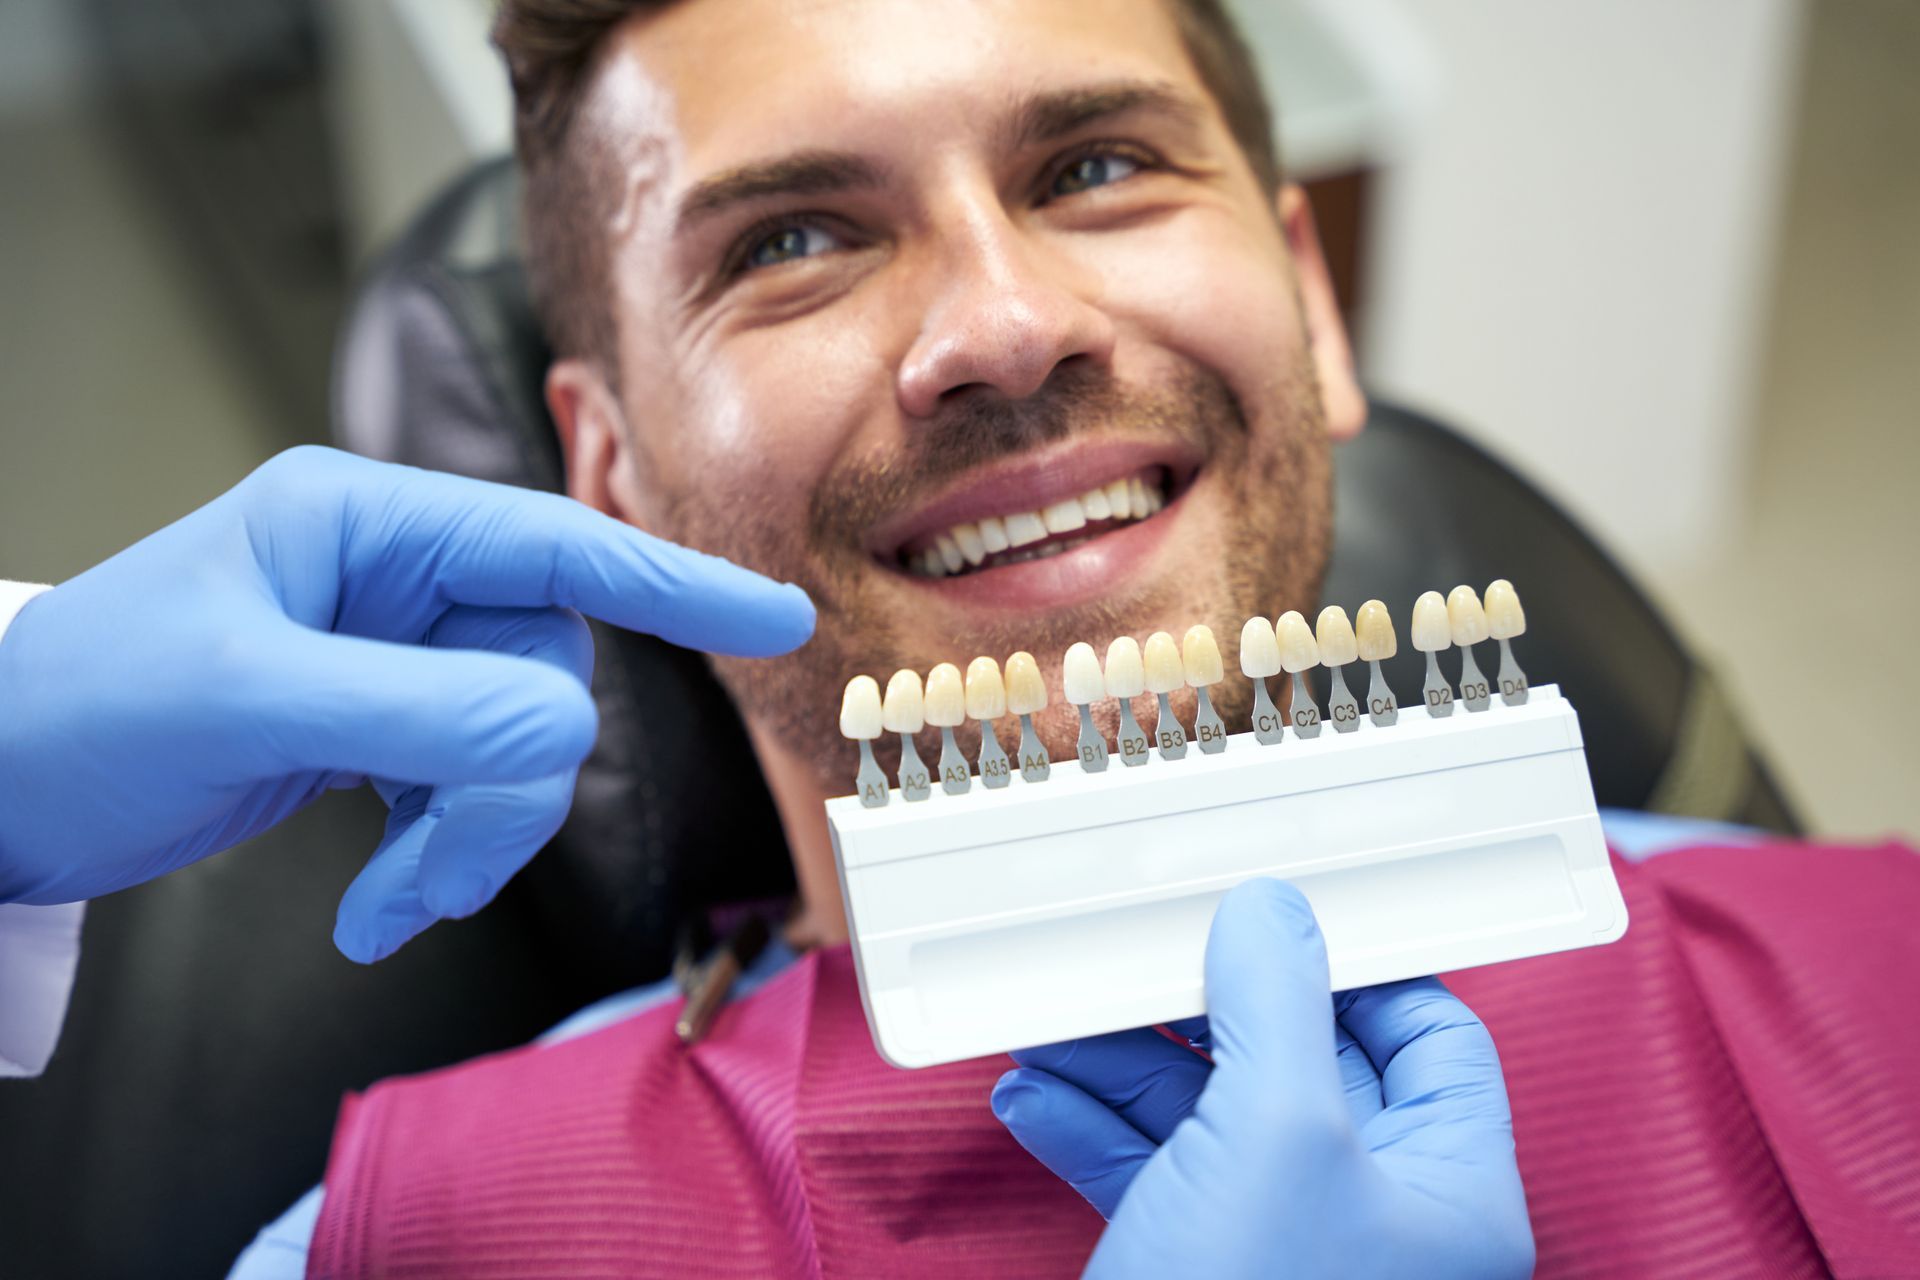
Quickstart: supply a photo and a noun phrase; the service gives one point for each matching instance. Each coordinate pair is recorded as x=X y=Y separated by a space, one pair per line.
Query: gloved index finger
x=492 y=544
x=1427 y=1045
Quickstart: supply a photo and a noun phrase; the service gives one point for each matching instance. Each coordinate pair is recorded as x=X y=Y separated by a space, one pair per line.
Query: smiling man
x=991 y=324
x=882 y=299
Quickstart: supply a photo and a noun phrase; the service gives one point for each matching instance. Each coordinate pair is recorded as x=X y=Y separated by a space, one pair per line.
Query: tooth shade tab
x=1431 y=629
x=1465 y=615
x=1094 y=502
x=1505 y=618
x=946 y=701
x=1064 y=516
x=1373 y=630
x=1298 y=649
x=1200 y=654
x=1165 y=671
x=1334 y=634
x=860 y=709
x=1082 y=678
x=986 y=693
x=1126 y=672
x=1026 y=691
x=904 y=710
x=1259 y=649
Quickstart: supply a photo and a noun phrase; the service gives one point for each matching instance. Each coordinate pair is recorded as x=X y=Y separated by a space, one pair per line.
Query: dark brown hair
x=551 y=47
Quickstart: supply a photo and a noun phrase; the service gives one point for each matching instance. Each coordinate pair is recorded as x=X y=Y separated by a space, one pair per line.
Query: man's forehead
x=717 y=83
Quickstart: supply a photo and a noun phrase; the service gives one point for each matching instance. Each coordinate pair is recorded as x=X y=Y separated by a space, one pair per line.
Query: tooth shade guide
x=987 y=921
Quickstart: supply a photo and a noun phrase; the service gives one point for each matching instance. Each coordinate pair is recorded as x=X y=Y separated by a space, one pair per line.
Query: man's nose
x=1003 y=313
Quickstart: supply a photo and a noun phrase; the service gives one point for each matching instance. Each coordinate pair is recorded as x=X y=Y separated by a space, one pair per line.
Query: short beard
x=1277 y=483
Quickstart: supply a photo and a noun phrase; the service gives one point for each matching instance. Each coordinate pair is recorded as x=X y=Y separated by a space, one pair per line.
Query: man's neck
x=798 y=798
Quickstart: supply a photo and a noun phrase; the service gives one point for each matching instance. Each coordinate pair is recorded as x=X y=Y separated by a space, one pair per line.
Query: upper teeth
x=969 y=544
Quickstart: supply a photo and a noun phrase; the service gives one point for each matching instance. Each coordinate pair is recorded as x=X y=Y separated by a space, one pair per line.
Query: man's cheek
x=1226 y=306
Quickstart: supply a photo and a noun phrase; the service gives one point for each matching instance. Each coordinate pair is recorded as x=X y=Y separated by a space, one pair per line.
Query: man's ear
x=1340 y=394
x=593 y=439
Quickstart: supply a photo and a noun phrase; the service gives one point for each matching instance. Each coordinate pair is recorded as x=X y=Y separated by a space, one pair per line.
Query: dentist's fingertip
x=456 y=895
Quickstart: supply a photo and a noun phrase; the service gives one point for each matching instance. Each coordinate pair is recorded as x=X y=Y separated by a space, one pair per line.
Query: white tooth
x=968 y=538
x=1126 y=672
x=1505 y=618
x=1026 y=691
x=1298 y=649
x=993 y=535
x=904 y=710
x=1137 y=498
x=949 y=553
x=1333 y=632
x=946 y=698
x=1466 y=615
x=1083 y=681
x=1200 y=655
x=1064 y=516
x=1120 y=499
x=931 y=565
x=1164 y=670
x=1096 y=504
x=1259 y=649
x=1431 y=630
x=986 y=692
x=1155 y=498
x=860 y=708
x=1024 y=527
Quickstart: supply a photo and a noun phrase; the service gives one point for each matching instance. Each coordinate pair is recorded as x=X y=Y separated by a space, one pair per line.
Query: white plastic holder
x=998 y=920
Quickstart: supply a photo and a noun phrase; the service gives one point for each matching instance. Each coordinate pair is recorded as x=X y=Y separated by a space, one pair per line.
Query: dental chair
x=214 y=1027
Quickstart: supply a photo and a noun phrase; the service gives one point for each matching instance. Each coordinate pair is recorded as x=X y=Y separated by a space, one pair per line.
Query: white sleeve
x=39 y=946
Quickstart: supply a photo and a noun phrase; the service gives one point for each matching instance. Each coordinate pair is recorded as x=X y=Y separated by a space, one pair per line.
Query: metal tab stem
x=1513 y=681
x=1034 y=764
x=1092 y=747
x=1473 y=685
x=915 y=784
x=1306 y=716
x=1268 y=727
x=1342 y=708
x=1382 y=709
x=1168 y=733
x=956 y=779
x=1438 y=693
x=1207 y=728
x=871 y=780
x=994 y=769
x=1133 y=739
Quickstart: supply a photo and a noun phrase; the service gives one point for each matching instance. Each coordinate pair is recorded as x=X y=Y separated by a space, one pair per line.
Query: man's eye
x=1093 y=171
x=787 y=244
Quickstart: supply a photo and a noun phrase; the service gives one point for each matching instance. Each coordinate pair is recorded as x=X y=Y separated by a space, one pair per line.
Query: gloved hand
x=327 y=621
x=1365 y=1134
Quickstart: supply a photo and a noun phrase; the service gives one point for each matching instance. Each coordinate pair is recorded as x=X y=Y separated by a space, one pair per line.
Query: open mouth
x=1009 y=537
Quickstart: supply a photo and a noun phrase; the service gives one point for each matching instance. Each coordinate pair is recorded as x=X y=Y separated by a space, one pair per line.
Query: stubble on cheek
x=1269 y=480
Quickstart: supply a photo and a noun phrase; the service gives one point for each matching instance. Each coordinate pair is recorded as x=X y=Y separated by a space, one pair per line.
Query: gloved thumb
x=1268 y=1001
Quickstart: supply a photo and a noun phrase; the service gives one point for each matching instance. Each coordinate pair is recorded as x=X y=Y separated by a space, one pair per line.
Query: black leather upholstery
x=214 y=1027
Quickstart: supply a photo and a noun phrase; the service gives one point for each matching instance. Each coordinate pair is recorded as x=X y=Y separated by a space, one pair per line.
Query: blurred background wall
x=1664 y=257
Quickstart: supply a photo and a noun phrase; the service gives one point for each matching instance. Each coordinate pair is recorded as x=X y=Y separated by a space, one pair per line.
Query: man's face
x=886 y=277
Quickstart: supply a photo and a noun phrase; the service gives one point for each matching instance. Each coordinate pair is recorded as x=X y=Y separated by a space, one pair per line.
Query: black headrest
x=441 y=366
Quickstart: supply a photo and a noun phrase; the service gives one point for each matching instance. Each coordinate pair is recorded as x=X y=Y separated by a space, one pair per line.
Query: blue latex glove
x=1365 y=1134
x=328 y=621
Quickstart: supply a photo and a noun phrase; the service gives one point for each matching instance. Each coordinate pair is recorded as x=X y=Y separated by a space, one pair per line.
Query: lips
x=1034 y=508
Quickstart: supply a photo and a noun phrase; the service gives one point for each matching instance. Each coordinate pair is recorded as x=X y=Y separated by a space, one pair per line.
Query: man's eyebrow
x=1047 y=116
x=804 y=173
